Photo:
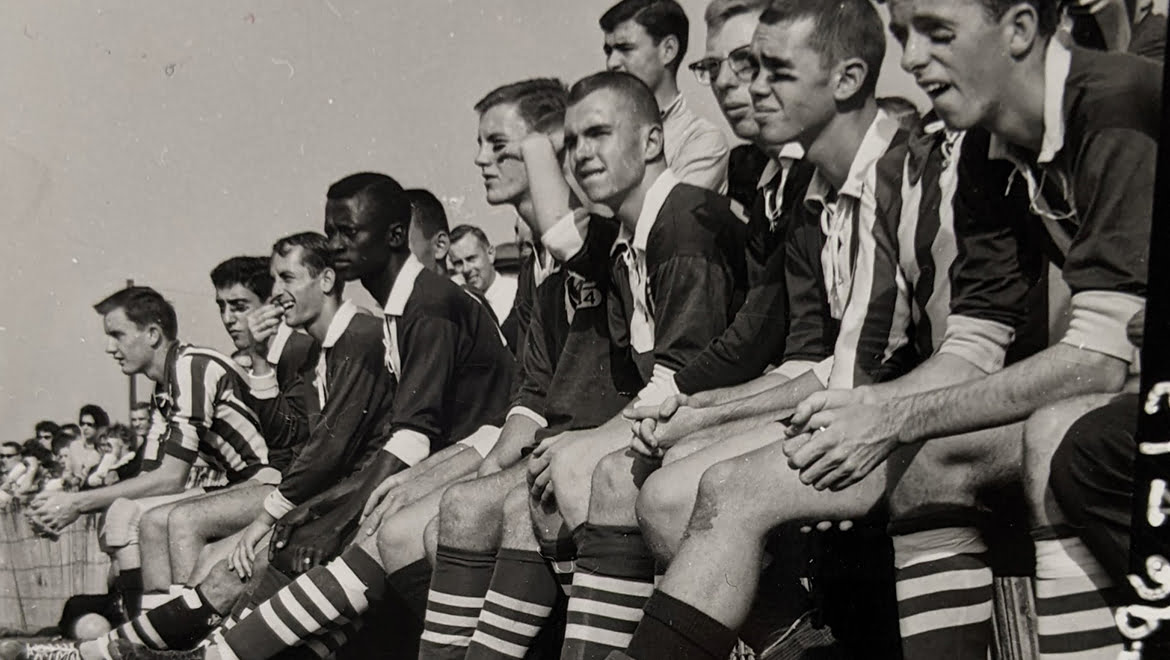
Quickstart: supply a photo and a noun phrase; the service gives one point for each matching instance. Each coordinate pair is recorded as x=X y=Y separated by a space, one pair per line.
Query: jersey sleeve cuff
x=263 y=387
x=483 y=440
x=660 y=387
x=277 y=505
x=410 y=447
x=981 y=342
x=792 y=369
x=567 y=237
x=1098 y=322
x=523 y=411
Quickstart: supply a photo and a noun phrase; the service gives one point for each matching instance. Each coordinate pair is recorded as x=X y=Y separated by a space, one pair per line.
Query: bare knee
x=571 y=478
x=466 y=508
x=222 y=587
x=153 y=523
x=431 y=540
x=613 y=482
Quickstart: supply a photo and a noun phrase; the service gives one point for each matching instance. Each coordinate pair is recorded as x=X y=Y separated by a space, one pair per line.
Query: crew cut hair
x=660 y=19
x=374 y=193
x=625 y=85
x=427 y=213
x=143 y=306
x=721 y=11
x=461 y=231
x=842 y=29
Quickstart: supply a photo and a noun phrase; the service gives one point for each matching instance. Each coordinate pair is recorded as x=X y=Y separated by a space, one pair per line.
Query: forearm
x=725 y=395
x=765 y=406
x=463 y=461
x=155 y=482
x=549 y=191
x=519 y=432
x=939 y=370
x=1059 y=372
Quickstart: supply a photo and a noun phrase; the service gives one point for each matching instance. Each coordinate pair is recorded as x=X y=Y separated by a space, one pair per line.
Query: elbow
x=1106 y=375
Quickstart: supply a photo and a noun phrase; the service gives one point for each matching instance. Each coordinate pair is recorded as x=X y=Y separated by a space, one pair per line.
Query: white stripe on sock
x=445 y=640
x=355 y=589
x=298 y=611
x=523 y=607
x=497 y=621
x=598 y=635
x=607 y=610
x=613 y=585
x=444 y=619
x=955 y=617
x=953 y=580
x=277 y=626
x=455 y=601
x=498 y=645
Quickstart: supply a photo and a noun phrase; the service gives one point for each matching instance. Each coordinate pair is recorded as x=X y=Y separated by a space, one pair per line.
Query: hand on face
x=262 y=324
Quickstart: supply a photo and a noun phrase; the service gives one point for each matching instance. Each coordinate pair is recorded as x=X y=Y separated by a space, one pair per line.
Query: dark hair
x=44 y=456
x=460 y=231
x=315 y=252
x=660 y=18
x=63 y=439
x=47 y=426
x=251 y=272
x=122 y=431
x=1047 y=12
x=100 y=418
x=374 y=194
x=842 y=29
x=721 y=11
x=539 y=101
x=143 y=306
x=427 y=212
x=641 y=100
x=140 y=405
x=16 y=445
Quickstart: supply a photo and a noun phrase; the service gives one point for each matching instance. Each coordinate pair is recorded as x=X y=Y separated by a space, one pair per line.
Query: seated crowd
x=797 y=395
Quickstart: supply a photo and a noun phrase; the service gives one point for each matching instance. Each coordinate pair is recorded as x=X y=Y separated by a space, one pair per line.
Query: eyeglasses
x=706 y=70
x=9 y=455
x=743 y=64
x=85 y=423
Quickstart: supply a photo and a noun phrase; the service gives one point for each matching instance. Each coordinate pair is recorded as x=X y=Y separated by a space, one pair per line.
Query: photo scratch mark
x=332 y=8
x=291 y=70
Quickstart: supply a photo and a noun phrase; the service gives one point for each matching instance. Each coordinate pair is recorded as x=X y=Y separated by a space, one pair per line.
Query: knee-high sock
x=327 y=596
x=1074 y=600
x=673 y=629
x=561 y=555
x=458 y=586
x=177 y=624
x=519 y=602
x=614 y=577
x=945 y=594
x=129 y=585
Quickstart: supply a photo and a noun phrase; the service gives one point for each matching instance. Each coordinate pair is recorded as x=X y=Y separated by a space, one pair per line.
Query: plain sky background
x=151 y=140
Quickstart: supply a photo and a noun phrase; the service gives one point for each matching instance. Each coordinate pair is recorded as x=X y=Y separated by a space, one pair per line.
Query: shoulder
x=206 y=364
x=692 y=219
x=1113 y=91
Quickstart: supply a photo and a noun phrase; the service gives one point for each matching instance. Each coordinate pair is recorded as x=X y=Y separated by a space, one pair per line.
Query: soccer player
x=429 y=235
x=648 y=39
x=198 y=393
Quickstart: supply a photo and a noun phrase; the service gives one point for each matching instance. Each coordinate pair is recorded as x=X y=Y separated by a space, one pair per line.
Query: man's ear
x=668 y=49
x=396 y=235
x=1021 y=29
x=328 y=281
x=154 y=335
x=491 y=254
x=850 y=75
x=441 y=245
x=654 y=143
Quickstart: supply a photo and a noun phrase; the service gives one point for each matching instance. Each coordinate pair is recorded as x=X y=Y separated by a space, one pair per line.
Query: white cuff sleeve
x=795 y=368
x=567 y=236
x=529 y=413
x=660 y=387
x=264 y=387
x=1098 y=322
x=277 y=505
x=981 y=342
x=276 y=344
x=483 y=440
x=410 y=447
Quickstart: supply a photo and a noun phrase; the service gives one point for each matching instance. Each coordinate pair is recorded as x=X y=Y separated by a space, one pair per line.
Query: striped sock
x=614 y=577
x=561 y=555
x=177 y=624
x=1074 y=616
x=458 y=585
x=945 y=594
x=153 y=599
x=326 y=597
x=673 y=629
x=519 y=602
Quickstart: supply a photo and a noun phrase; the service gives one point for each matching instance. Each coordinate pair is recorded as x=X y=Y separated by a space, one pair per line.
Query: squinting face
x=631 y=49
x=470 y=259
x=791 y=93
x=111 y=444
x=732 y=94
x=234 y=304
x=291 y=276
x=605 y=147
x=957 y=55
x=361 y=247
x=129 y=345
x=140 y=422
x=501 y=128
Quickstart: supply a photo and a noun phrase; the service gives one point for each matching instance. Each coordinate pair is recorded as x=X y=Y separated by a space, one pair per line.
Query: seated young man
x=346 y=393
x=854 y=437
x=454 y=374
x=199 y=398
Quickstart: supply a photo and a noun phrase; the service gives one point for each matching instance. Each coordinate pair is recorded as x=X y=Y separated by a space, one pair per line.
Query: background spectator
x=140 y=422
x=45 y=430
x=91 y=418
x=120 y=458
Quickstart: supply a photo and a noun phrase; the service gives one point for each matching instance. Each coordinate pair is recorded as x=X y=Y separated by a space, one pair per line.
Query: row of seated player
x=862 y=336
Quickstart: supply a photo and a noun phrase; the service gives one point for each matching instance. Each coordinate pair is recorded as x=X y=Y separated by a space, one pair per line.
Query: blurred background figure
x=45 y=430
x=91 y=419
x=140 y=422
x=473 y=258
x=120 y=457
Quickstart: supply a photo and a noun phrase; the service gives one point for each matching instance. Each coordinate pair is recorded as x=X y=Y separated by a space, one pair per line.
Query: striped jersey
x=199 y=412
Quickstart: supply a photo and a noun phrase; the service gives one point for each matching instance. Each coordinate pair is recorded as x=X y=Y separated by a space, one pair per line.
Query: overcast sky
x=151 y=140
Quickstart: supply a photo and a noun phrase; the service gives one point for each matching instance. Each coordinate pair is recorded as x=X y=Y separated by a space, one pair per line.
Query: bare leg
x=194 y=523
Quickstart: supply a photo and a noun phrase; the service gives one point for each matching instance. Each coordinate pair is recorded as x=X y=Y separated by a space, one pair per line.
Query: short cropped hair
x=628 y=86
x=64 y=438
x=251 y=272
x=101 y=419
x=38 y=451
x=660 y=19
x=427 y=212
x=143 y=306
x=140 y=405
x=460 y=231
x=46 y=426
x=1047 y=11
x=540 y=102
x=315 y=252
x=721 y=11
x=12 y=444
x=842 y=29
x=376 y=194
